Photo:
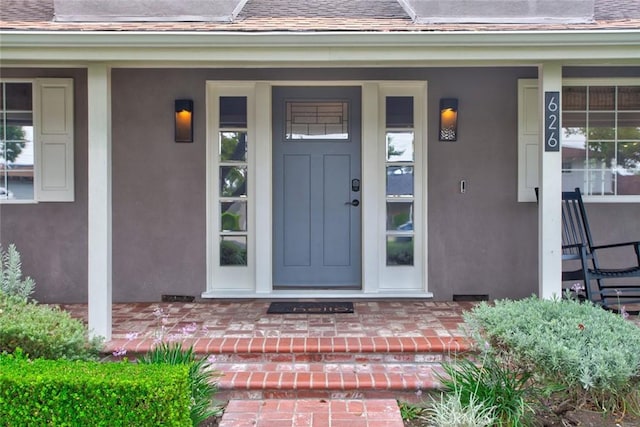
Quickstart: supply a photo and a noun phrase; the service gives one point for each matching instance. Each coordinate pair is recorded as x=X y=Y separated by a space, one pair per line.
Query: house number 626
x=552 y=121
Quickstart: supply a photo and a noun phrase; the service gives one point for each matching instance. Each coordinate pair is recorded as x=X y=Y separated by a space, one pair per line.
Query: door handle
x=354 y=202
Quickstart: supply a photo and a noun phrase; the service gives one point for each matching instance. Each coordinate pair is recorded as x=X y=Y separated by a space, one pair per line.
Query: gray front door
x=316 y=187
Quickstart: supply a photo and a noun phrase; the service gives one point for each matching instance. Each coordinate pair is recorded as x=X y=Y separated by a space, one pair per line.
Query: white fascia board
x=286 y=49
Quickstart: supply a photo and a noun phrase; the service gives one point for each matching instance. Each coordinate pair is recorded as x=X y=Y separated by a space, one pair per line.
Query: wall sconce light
x=448 y=119
x=184 y=120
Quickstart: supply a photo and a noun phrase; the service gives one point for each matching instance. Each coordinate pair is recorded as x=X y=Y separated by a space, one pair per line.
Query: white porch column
x=370 y=188
x=99 y=210
x=550 y=207
x=263 y=194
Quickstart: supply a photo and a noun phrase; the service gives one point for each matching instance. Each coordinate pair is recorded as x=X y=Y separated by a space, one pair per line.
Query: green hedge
x=67 y=393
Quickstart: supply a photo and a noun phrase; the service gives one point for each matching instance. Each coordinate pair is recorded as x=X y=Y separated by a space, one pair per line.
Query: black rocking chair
x=615 y=286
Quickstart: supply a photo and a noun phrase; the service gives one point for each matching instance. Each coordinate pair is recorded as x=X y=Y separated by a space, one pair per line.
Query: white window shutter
x=54 y=139
x=528 y=139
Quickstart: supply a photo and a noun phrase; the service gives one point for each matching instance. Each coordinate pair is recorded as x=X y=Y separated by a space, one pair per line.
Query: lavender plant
x=589 y=352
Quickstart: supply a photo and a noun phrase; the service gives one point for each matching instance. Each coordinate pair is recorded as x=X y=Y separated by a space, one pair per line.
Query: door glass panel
x=233 y=153
x=399 y=111
x=399 y=250
x=233 y=111
x=400 y=181
x=400 y=147
x=233 y=216
x=233 y=250
x=317 y=120
x=233 y=146
x=233 y=181
x=399 y=169
x=400 y=216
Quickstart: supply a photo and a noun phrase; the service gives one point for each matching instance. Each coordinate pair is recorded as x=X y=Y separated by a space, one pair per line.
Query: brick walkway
x=312 y=413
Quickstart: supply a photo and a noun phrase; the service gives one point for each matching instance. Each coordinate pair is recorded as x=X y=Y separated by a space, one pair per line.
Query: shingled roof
x=309 y=16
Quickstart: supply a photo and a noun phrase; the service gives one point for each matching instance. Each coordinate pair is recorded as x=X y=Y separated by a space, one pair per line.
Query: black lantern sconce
x=448 y=119
x=184 y=120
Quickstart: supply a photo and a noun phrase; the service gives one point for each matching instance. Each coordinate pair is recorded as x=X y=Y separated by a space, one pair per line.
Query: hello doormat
x=310 y=307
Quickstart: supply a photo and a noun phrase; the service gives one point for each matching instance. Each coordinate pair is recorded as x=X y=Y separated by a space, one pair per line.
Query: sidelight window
x=233 y=168
x=400 y=180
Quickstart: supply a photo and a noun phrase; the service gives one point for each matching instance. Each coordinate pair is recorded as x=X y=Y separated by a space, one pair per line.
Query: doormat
x=310 y=307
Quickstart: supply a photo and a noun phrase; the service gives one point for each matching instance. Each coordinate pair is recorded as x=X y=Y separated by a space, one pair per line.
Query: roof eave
x=316 y=47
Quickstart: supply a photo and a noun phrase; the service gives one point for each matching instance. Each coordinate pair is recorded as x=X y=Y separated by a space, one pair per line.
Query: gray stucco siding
x=52 y=237
x=480 y=242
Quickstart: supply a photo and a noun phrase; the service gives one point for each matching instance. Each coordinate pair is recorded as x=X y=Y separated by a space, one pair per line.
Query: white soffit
x=147 y=10
x=500 y=11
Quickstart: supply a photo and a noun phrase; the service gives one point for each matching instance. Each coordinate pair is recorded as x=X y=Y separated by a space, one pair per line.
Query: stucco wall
x=52 y=237
x=483 y=241
x=159 y=186
x=480 y=242
x=159 y=200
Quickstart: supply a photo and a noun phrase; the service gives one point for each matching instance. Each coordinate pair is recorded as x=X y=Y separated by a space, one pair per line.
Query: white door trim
x=257 y=279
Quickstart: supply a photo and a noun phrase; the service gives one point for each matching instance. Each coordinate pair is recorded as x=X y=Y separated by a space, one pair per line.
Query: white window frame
x=405 y=278
x=234 y=279
x=53 y=140
x=529 y=140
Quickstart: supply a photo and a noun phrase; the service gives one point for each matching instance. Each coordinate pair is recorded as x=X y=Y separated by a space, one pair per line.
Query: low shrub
x=84 y=393
x=43 y=331
x=493 y=384
x=589 y=352
x=450 y=411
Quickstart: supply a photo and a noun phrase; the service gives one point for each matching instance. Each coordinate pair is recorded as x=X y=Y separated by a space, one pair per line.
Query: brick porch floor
x=304 y=369
x=223 y=326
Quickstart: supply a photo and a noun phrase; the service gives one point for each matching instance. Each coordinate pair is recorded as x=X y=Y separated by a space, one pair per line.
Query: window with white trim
x=233 y=168
x=600 y=138
x=231 y=147
x=36 y=140
x=400 y=185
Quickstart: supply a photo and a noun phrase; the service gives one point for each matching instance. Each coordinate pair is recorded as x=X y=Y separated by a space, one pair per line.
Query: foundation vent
x=470 y=297
x=500 y=11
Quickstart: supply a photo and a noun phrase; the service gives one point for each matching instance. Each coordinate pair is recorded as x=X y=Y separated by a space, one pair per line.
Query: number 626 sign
x=552 y=121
